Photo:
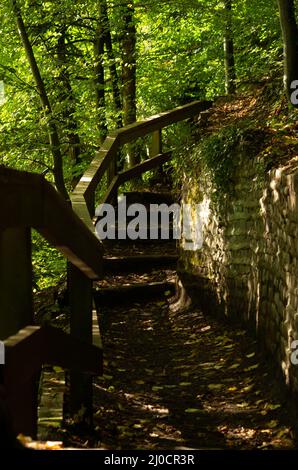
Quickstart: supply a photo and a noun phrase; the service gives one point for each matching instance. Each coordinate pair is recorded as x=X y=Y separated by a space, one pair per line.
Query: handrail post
x=16 y=312
x=156 y=144
x=90 y=202
x=112 y=170
x=156 y=148
x=80 y=297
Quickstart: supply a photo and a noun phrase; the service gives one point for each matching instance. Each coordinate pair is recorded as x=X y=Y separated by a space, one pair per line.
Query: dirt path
x=180 y=380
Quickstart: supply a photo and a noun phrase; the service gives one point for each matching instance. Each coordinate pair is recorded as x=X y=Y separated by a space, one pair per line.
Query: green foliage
x=179 y=58
x=216 y=155
x=49 y=266
x=258 y=45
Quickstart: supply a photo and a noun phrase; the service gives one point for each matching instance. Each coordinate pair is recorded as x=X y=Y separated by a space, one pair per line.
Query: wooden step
x=148 y=197
x=138 y=264
x=146 y=241
x=132 y=293
x=159 y=219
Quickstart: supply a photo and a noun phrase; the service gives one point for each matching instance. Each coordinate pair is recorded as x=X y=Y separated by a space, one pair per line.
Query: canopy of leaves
x=180 y=58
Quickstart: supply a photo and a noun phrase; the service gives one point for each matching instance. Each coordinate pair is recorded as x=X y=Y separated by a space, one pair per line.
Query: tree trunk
x=290 y=40
x=66 y=97
x=230 y=71
x=112 y=63
x=45 y=102
x=129 y=75
x=100 y=75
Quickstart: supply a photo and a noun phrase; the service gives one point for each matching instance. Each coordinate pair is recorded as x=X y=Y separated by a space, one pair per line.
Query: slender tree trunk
x=112 y=63
x=230 y=70
x=69 y=107
x=100 y=74
x=115 y=81
x=45 y=102
x=290 y=39
x=129 y=75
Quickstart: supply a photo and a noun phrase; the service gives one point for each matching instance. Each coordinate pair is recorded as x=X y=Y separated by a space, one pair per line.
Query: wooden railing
x=27 y=200
x=83 y=197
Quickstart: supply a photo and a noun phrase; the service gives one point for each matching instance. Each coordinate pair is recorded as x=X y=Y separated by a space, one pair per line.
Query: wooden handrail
x=83 y=195
x=134 y=172
x=46 y=345
x=25 y=353
x=27 y=199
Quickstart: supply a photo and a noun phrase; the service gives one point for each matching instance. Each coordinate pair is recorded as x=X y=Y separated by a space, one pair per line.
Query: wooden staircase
x=29 y=201
x=130 y=264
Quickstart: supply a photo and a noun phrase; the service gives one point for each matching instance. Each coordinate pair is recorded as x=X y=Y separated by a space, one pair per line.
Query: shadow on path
x=177 y=380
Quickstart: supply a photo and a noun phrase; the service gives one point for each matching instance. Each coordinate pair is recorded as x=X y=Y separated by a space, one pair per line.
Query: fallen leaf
x=249 y=369
x=184 y=384
x=272 y=407
x=272 y=424
x=193 y=410
x=235 y=366
x=215 y=386
x=137 y=426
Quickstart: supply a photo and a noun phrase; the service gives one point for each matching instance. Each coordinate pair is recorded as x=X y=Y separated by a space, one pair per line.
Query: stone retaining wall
x=248 y=266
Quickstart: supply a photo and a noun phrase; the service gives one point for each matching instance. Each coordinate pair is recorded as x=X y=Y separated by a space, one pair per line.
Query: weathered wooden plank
x=80 y=208
x=73 y=353
x=22 y=405
x=98 y=166
x=89 y=181
x=81 y=298
x=138 y=263
x=153 y=123
x=21 y=198
x=111 y=193
x=63 y=228
x=16 y=311
x=26 y=352
x=146 y=165
x=156 y=144
x=16 y=308
x=33 y=346
x=134 y=172
x=126 y=293
x=34 y=202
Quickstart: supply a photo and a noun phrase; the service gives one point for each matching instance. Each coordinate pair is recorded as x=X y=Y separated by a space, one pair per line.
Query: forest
x=75 y=74
x=72 y=71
